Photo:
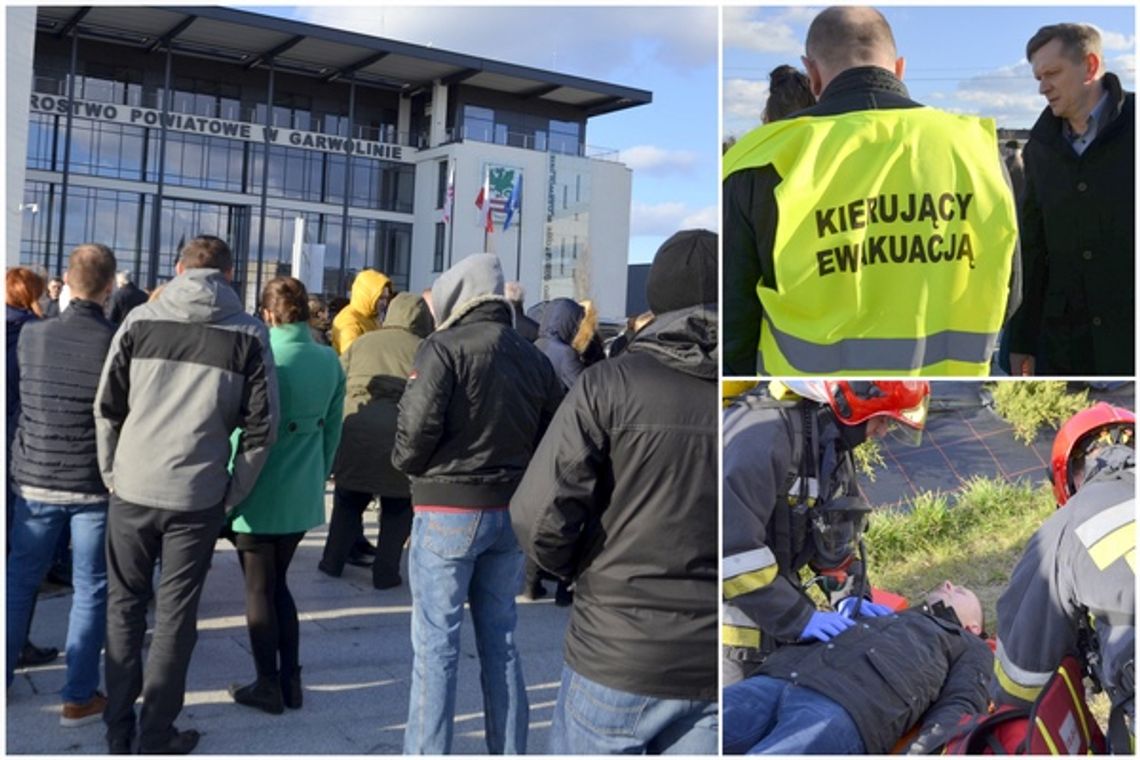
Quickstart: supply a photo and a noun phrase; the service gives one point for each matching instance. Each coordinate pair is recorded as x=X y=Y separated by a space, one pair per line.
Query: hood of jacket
x=685 y=340
x=560 y=320
x=411 y=313
x=475 y=280
x=366 y=288
x=198 y=295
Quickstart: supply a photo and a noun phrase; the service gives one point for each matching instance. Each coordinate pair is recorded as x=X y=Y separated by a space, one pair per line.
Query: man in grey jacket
x=183 y=372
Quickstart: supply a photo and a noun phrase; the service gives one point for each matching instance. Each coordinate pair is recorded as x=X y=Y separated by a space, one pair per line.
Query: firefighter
x=791 y=501
x=1073 y=591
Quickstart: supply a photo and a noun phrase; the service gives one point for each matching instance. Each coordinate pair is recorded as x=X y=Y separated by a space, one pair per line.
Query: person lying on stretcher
x=860 y=691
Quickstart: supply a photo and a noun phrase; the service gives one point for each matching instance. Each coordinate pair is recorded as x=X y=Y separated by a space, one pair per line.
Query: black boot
x=264 y=694
x=291 y=689
x=32 y=655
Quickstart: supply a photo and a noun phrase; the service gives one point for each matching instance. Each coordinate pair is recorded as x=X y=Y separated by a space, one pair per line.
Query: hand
x=1021 y=365
x=867 y=609
x=823 y=625
x=931 y=738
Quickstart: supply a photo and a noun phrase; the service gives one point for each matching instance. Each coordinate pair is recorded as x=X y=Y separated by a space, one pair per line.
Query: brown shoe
x=81 y=713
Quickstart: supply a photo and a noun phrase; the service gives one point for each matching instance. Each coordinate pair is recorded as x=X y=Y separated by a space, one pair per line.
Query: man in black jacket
x=853 y=65
x=621 y=497
x=1078 y=218
x=476 y=404
x=863 y=690
x=127 y=296
x=55 y=473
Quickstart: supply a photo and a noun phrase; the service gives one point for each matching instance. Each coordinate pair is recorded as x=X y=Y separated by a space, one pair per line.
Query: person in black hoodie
x=56 y=478
x=1078 y=215
x=477 y=401
x=631 y=517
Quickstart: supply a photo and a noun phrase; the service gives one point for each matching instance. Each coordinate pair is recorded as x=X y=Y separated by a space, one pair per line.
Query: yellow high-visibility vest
x=894 y=243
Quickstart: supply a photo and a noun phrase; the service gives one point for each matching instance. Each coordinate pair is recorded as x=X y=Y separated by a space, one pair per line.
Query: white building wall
x=599 y=220
x=20 y=36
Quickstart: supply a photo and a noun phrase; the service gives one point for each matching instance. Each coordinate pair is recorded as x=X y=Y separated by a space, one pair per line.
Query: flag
x=514 y=201
x=483 y=203
x=449 y=199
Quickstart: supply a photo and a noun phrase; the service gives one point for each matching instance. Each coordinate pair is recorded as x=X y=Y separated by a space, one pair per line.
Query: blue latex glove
x=867 y=609
x=823 y=625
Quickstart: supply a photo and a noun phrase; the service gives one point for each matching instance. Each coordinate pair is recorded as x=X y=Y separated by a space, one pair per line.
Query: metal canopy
x=254 y=41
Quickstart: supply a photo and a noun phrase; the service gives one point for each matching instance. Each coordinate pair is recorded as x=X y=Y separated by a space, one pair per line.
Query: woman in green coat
x=289 y=497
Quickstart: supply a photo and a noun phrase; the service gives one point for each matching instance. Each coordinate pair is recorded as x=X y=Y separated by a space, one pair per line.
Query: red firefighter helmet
x=1099 y=425
x=854 y=402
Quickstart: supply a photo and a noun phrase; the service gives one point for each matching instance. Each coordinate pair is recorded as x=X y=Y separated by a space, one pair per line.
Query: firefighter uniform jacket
x=1080 y=565
x=767 y=536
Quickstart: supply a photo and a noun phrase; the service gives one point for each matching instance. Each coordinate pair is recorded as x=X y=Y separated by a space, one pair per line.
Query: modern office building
x=313 y=151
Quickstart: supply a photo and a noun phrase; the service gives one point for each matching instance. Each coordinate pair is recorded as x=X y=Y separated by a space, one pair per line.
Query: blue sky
x=968 y=59
x=671 y=144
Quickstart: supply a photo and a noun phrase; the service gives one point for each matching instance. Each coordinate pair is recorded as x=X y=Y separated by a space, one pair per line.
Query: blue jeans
x=592 y=719
x=770 y=716
x=456 y=557
x=35 y=531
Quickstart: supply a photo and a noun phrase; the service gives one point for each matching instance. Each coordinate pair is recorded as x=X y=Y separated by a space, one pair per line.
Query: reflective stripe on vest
x=894 y=244
x=737 y=629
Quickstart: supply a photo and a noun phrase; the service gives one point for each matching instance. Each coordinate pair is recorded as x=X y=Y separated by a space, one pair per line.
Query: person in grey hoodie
x=476 y=404
x=183 y=372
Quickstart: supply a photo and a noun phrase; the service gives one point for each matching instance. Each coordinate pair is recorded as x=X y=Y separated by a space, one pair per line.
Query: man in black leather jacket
x=476 y=404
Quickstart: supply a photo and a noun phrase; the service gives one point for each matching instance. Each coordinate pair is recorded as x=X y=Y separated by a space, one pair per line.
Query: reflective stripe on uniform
x=733 y=615
x=738 y=636
x=1110 y=534
x=747 y=571
x=1045 y=735
x=1018 y=682
x=881 y=354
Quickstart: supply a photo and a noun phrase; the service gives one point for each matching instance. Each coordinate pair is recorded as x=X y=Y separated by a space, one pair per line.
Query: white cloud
x=651 y=159
x=587 y=41
x=767 y=30
x=1007 y=94
x=1116 y=40
x=664 y=219
x=745 y=99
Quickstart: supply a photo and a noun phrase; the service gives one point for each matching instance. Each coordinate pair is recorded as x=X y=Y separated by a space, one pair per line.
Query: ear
x=974 y=628
x=229 y=274
x=179 y=267
x=815 y=77
x=1092 y=67
x=900 y=68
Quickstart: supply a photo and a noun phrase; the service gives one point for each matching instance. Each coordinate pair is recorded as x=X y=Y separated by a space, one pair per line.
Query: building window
x=565 y=137
x=440 y=246
x=441 y=186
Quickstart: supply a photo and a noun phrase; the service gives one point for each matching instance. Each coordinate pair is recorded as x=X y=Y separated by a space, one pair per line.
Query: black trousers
x=270 y=613
x=345 y=526
x=136 y=537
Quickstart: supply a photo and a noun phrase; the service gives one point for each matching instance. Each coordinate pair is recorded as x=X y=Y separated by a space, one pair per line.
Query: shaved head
x=843 y=37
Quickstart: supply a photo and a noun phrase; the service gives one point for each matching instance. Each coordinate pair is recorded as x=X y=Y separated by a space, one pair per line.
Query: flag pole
x=451 y=221
x=518 y=248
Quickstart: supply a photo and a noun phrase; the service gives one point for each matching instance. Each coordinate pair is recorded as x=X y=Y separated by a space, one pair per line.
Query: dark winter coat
x=888 y=672
x=622 y=497
x=61 y=360
x=125 y=298
x=377 y=365
x=560 y=321
x=527 y=327
x=476 y=404
x=1078 y=231
x=16 y=319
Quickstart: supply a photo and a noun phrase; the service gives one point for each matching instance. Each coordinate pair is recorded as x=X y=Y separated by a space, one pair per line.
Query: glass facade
x=522 y=130
x=102 y=146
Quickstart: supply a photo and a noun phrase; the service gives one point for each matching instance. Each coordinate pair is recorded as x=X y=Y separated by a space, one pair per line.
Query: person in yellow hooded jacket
x=371 y=292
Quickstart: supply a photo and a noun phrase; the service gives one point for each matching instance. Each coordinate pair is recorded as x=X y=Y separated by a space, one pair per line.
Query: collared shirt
x=1096 y=120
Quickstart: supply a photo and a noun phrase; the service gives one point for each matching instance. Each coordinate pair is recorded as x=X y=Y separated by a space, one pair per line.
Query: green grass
x=1029 y=406
x=868 y=457
x=973 y=537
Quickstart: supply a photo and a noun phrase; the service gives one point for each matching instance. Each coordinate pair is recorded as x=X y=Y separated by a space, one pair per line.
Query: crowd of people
x=191 y=421
x=818 y=236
